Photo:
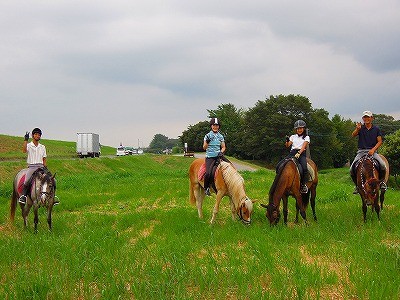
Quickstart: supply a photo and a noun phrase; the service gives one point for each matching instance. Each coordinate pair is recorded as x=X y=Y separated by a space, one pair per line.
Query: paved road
x=238 y=165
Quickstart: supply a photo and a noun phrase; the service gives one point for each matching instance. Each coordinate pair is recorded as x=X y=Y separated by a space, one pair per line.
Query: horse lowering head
x=272 y=213
x=245 y=210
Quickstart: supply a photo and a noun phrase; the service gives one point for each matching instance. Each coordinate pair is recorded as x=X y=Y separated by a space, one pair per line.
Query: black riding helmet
x=36 y=130
x=215 y=121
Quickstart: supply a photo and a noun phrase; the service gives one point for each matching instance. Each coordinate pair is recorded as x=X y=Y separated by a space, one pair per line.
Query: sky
x=129 y=70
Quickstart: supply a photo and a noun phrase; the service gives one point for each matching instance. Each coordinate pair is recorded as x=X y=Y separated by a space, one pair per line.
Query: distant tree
x=161 y=142
x=387 y=124
x=347 y=145
x=391 y=150
x=194 y=136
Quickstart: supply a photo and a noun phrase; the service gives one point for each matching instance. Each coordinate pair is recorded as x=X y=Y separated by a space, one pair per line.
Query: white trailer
x=88 y=145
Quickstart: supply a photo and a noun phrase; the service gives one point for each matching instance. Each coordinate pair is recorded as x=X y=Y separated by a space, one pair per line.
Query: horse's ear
x=54 y=176
x=254 y=201
x=264 y=205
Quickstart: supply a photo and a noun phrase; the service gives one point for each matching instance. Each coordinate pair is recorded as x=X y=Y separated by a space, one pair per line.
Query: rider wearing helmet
x=36 y=159
x=214 y=144
x=299 y=143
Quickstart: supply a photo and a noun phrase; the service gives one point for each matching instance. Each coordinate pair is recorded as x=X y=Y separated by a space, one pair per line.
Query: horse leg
x=49 y=217
x=199 y=195
x=285 y=209
x=36 y=218
x=300 y=206
x=216 y=207
x=25 y=212
x=312 y=201
x=364 y=210
x=377 y=209
x=382 y=198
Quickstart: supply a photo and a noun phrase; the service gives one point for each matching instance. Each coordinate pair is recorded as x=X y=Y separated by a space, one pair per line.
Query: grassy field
x=125 y=230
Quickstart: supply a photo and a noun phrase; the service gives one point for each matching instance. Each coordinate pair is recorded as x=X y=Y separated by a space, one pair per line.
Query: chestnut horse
x=368 y=183
x=287 y=183
x=42 y=193
x=228 y=182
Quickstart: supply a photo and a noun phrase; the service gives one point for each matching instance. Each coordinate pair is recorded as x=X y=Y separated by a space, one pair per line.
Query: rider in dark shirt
x=369 y=140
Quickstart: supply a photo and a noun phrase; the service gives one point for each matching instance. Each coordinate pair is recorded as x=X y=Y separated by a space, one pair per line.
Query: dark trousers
x=210 y=163
x=303 y=163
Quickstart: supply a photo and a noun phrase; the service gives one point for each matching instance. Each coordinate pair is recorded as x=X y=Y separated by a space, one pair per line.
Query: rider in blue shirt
x=214 y=144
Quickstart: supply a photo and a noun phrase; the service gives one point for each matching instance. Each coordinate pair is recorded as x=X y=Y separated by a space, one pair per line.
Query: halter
x=239 y=212
x=39 y=192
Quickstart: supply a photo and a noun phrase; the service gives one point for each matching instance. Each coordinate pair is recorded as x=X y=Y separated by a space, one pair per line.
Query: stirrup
x=304 y=189
x=383 y=187
x=22 y=199
x=355 y=192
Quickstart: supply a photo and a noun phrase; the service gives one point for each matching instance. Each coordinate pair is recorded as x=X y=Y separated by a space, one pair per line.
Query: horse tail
x=192 y=198
x=192 y=182
x=13 y=203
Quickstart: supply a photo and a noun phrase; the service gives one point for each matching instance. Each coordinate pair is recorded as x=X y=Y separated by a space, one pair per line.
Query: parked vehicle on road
x=88 y=145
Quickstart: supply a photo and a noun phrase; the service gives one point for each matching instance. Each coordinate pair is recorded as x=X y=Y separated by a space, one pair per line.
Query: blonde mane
x=234 y=181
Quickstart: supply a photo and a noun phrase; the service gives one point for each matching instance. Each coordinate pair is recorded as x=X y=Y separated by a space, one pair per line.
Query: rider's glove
x=220 y=154
x=26 y=137
x=208 y=140
x=287 y=139
x=297 y=155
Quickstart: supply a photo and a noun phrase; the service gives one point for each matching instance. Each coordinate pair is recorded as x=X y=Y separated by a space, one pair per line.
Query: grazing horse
x=368 y=183
x=228 y=182
x=287 y=183
x=41 y=193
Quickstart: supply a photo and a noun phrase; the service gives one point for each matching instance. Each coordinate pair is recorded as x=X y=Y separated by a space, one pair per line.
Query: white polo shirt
x=35 y=153
x=298 y=141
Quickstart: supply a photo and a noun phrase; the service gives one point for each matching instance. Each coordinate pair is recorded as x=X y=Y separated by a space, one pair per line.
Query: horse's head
x=272 y=214
x=371 y=190
x=45 y=186
x=245 y=210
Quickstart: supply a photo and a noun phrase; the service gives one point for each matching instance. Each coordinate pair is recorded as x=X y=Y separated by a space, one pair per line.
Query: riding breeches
x=210 y=162
x=303 y=163
x=31 y=170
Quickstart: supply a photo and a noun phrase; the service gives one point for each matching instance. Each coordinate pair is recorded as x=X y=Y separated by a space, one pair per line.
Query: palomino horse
x=228 y=182
x=287 y=183
x=368 y=184
x=42 y=193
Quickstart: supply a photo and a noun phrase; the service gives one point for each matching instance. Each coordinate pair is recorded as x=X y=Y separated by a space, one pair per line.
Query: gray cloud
x=130 y=70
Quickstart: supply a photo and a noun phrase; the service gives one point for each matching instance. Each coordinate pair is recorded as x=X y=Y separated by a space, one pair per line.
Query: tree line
x=258 y=133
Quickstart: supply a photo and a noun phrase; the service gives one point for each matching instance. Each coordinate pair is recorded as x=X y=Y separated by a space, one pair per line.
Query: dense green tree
x=347 y=145
x=386 y=123
x=161 y=142
x=194 y=136
x=391 y=150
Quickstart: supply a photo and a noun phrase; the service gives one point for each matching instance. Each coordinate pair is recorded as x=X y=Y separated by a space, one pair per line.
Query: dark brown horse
x=287 y=183
x=368 y=184
x=228 y=182
x=42 y=193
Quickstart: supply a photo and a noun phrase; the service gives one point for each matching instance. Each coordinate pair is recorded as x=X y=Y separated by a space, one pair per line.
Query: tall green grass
x=125 y=230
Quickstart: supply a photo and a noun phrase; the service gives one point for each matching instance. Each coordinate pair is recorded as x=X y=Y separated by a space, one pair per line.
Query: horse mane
x=233 y=180
x=279 y=171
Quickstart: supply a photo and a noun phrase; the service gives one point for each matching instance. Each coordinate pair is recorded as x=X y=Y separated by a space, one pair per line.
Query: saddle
x=20 y=185
x=376 y=164
x=282 y=163
x=214 y=173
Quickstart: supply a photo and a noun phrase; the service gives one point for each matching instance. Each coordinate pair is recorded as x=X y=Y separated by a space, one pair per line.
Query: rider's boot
x=22 y=198
x=382 y=174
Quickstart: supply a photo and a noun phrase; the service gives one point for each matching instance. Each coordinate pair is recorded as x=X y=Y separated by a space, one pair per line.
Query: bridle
x=240 y=213
x=363 y=182
x=40 y=192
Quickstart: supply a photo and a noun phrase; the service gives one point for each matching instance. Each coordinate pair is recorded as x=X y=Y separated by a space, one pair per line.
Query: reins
x=362 y=160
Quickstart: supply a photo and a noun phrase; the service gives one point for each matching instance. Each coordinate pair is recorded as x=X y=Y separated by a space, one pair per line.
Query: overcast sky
x=128 y=70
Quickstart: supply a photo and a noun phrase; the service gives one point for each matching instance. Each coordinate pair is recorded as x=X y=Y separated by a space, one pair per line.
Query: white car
x=121 y=151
